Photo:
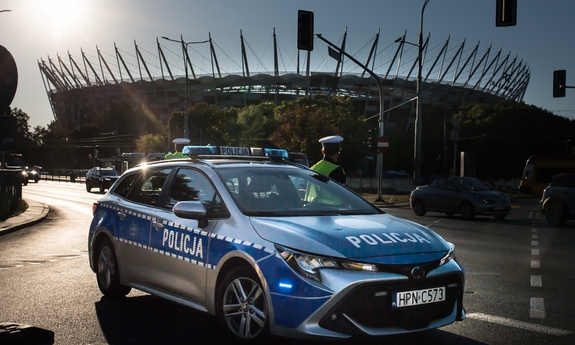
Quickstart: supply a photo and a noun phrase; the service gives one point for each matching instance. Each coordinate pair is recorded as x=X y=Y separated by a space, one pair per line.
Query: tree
x=151 y=143
x=301 y=123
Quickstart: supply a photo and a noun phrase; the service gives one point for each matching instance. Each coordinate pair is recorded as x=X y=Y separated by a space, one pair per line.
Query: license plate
x=419 y=297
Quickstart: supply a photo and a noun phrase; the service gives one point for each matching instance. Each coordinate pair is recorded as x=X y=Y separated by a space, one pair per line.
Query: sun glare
x=59 y=17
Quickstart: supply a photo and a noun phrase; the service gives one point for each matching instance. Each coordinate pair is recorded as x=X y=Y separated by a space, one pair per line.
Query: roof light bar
x=274 y=154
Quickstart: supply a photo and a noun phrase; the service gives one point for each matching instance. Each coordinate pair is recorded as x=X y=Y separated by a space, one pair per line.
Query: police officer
x=179 y=144
x=328 y=166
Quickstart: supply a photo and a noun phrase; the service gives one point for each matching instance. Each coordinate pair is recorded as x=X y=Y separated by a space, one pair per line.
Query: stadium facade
x=452 y=75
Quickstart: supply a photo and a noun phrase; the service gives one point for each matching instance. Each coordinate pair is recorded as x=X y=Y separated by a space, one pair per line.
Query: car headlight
x=449 y=256
x=309 y=265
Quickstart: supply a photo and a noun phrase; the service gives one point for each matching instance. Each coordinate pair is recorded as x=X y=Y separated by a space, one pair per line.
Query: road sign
x=382 y=144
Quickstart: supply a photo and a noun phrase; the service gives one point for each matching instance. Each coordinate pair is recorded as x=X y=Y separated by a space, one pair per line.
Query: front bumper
x=361 y=304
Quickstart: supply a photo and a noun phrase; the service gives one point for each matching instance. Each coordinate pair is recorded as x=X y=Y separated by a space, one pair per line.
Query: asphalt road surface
x=520 y=286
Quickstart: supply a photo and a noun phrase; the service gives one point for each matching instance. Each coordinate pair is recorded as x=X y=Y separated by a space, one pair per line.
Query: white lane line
x=534 y=243
x=534 y=251
x=519 y=324
x=483 y=273
x=534 y=235
x=535 y=264
x=536 y=281
x=537 y=308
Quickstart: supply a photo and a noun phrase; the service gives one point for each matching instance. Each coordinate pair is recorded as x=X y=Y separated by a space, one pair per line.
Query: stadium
x=452 y=74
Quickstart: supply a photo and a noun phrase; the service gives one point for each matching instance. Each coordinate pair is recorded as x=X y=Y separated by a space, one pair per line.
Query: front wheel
x=419 y=208
x=467 y=211
x=241 y=305
x=107 y=273
x=88 y=188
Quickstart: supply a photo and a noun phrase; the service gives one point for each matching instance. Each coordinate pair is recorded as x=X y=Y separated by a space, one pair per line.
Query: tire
x=88 y=188
x=242 y=319
x=500 y=216
x=419 y=208
x=556 y=213
x=102 y=189
x=107 y=272
x=467 y=211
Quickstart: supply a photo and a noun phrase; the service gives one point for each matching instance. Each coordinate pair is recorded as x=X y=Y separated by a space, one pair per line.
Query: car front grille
x=370 y=305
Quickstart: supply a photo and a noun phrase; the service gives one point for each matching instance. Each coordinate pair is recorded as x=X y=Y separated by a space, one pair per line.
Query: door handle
x=157 y=226
x=121 y=215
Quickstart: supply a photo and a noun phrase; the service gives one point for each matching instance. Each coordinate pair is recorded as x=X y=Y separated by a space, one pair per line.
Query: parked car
x=101 y=178
x=464 y=195
x=233 y=237
x=557 y=203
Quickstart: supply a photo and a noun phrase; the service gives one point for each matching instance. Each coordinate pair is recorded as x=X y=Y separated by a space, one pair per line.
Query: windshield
x=472 y=184
x=264 y=190
x=109 y=173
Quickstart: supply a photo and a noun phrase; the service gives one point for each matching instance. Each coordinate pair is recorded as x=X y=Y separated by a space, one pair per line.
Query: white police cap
x=332 y=139
x=181 y=141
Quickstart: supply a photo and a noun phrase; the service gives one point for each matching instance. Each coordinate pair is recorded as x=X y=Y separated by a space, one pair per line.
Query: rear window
x=563 y=181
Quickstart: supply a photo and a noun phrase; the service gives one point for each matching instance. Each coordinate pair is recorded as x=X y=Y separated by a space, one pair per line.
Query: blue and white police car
x=270 y=247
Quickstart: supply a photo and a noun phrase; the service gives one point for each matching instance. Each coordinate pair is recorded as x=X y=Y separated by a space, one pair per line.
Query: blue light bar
x=200 y=150
x=276 y=153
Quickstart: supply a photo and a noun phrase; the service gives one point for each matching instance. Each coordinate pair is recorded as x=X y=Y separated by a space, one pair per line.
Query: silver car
x=464 y=195
x=270 y=247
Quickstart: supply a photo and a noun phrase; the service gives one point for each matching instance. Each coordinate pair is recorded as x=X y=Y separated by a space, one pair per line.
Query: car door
x=445 y=196
x=180 y=247
x=134 y=218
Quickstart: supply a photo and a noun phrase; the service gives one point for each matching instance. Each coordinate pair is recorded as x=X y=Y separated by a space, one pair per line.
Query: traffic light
x=506 y=13
x=304 y=30
x=559 y=78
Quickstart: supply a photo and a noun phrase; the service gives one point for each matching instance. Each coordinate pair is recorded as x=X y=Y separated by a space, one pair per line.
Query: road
x=519 y=290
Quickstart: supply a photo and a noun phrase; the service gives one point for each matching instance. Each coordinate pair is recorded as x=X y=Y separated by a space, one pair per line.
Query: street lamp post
x=417 y=136
x=418 y=124
x=184 y=51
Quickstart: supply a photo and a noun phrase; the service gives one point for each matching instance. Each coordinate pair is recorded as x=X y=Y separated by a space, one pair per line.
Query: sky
x=35 y=30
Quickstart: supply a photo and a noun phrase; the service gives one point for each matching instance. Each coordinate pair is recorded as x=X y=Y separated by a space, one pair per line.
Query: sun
x=61 y=16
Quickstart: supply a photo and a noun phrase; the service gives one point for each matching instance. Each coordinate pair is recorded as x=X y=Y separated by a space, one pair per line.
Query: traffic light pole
x=381 y=123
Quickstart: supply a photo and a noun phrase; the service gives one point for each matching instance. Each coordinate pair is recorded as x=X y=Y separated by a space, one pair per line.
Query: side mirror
x=192 y=210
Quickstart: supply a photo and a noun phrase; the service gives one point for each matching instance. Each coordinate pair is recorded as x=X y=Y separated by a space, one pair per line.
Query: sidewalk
x=35 y=213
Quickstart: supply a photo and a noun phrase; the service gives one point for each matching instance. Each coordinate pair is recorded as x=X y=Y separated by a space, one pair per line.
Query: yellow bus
x=539 y=170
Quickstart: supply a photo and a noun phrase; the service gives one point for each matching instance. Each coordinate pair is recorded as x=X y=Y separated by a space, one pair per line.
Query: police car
x=270 y=247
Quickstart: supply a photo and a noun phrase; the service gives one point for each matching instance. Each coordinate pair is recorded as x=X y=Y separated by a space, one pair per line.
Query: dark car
x=558 y=200
x=33 y=174
x=102 y=178
x=232 y=236
x=464 y=195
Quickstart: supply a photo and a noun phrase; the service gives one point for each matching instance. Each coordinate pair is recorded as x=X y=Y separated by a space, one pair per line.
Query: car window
x=145 y=187
x=444 y=184
x=191 y=184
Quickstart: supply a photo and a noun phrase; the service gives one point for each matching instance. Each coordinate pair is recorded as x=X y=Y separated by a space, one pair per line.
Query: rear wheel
x=467 y=211
x=556 y=213
x=88 y=188
x=419 y=208
x=107 y=272
x=241 y=304
x=102 y=189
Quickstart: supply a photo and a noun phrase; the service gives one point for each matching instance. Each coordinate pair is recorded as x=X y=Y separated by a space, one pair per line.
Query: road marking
x=534 y=251
x=537 y=308
x=534 y=243
x=535 y=264
x=483 y=273
x=536 y=281
x=519 y=324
